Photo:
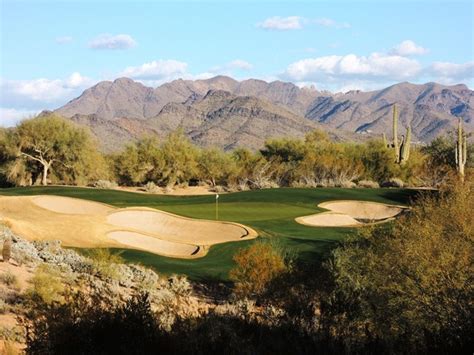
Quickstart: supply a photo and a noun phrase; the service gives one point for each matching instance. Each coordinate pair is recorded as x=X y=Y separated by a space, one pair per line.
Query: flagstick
x=217 y=207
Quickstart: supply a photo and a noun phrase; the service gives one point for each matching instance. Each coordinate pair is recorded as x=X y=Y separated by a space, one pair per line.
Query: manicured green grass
x=271 y=212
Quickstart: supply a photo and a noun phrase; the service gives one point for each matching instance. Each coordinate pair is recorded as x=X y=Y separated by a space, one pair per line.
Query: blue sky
x=52 y=50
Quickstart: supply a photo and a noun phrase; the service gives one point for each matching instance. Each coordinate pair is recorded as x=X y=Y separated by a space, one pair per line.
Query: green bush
x=46 y=285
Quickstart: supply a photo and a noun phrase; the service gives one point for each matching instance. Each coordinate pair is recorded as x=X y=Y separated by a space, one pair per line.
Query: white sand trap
x=351 y=214
x=363 y=209
x=178 y=228
x=328 y=219
x=69 y=205
x=153 y=245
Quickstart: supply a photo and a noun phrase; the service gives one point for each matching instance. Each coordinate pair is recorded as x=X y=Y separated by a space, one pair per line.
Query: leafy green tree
x=179 y=159
x=215 y=166
x=50 y=143
x=379 y=161
x=140 y=162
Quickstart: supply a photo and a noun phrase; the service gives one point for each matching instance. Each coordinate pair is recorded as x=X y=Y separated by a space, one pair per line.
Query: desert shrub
x=393 y=182
x=348 y=184
x=46 y=284
x=89 y=324
x=105 y=184
x=256 y=267
x=411 y=284
x=9 y=279
x=151 y=187
x=369 y=184
x=105 y=263
x=3 y=306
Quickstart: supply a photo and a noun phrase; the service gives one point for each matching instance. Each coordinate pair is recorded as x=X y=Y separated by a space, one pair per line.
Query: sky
x=53 y=50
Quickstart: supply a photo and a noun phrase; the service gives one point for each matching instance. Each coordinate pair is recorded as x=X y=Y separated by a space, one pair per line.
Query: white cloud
x=108 y=41
x=282 y=23
x=240 y=64
x=327 y=22
x=64 y=39
x=375 y=66
x=228 y=68
x=10 y=116
x=156 y=70
x=407 y=48
x=449 y=73
x=38 y=94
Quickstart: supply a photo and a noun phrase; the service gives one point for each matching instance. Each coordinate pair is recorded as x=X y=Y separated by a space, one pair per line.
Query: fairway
x=270 y=212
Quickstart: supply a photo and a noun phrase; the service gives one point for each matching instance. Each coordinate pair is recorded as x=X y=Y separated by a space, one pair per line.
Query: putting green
x=270 y=212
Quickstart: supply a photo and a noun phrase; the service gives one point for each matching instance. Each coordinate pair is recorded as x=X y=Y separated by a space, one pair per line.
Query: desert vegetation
x=404 y=287
x=52 y=150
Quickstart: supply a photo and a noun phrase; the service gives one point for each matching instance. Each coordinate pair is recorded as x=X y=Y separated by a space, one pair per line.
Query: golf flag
x=217 y=196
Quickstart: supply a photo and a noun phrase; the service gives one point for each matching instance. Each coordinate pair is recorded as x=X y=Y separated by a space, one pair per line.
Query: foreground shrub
x=8 y=278
x=412 y=285
x=256 y=267
x=46 y=285
x=105 y=263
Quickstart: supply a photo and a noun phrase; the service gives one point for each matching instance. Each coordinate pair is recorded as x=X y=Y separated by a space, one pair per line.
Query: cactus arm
x=406 y=145
x=464 y=151
x=395 y=133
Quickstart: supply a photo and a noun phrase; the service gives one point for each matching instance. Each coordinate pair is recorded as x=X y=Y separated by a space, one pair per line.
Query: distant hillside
x=228 y=113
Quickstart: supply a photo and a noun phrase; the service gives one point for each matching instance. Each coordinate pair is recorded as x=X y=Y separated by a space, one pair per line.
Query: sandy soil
x=144 y=242
x=180 y=229
x=176 y=191
x=350 y=213
x=328 y=219
x=363 y=209
x=86 y=224
x=70 y=205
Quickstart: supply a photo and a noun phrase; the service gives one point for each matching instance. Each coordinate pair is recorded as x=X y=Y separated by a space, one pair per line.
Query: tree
x=48 y=142
x=215 y=166
x=179 y=159
x=140 y=162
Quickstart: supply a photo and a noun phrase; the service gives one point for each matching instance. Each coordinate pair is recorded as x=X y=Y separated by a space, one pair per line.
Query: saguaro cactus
x=402 y=149
x=405 y=147
x=461 y=150
x=7 y=249
x=395 y=133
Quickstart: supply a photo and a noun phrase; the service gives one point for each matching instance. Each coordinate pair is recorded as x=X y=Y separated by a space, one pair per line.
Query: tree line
x=50 y=149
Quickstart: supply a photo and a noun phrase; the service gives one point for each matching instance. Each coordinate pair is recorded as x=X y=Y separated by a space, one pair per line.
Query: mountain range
x=224 y=112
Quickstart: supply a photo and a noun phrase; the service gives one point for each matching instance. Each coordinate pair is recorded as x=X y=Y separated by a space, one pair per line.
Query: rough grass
x=271 y=212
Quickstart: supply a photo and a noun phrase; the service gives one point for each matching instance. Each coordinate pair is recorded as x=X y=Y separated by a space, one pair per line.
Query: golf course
x=271 y=213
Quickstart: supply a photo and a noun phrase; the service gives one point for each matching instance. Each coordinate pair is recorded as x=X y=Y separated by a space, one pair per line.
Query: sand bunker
x=87 y=224
x=351 y=214
x=70 y=205
x=153 y=245
x=178 y=228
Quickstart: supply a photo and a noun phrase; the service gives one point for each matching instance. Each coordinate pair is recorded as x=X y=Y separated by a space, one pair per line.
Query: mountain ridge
x=124 y=109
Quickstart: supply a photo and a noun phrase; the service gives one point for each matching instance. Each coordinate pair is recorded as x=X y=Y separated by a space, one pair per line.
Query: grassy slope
x=270 y=212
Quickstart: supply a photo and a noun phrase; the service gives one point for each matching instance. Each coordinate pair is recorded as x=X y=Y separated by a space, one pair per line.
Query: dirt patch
x=351 y=214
